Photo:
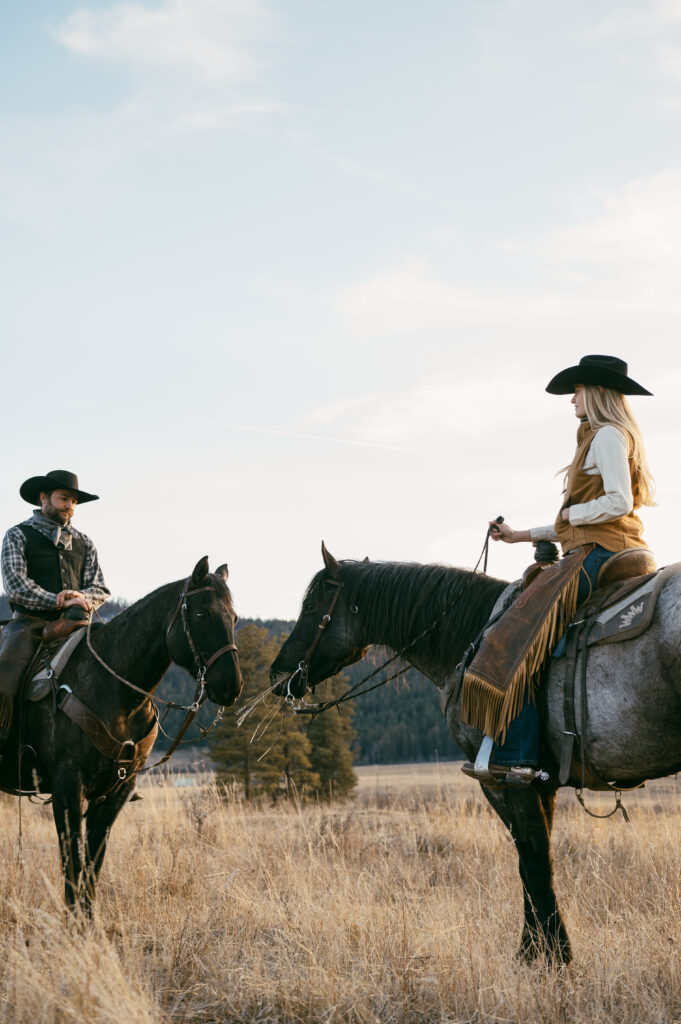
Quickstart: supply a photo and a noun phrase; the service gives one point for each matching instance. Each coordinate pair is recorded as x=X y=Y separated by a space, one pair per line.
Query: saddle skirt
x=626 y=608
x=53 y=664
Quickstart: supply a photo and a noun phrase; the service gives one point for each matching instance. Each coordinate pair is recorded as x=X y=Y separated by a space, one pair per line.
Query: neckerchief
x=61 y=536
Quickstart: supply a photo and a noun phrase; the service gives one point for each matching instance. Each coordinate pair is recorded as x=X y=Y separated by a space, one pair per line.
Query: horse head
x=326 y=637
x=200 y=635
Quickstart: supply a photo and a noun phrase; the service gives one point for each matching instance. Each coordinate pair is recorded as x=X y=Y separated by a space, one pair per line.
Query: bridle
x=201 y=663
x=304 y=666
x=202 y=666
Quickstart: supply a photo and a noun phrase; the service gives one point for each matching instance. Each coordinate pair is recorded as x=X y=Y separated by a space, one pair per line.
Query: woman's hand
x=502 y=531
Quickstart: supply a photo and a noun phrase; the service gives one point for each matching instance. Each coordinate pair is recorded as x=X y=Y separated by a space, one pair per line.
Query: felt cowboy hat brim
x=55 y=480
x=606 y=371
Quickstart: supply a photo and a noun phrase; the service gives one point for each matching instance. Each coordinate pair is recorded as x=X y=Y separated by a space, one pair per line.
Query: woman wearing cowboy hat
x=607 y=480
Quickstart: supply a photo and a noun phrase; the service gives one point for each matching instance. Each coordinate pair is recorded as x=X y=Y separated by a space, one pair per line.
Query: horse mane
x=411 y=597
x=130 y=613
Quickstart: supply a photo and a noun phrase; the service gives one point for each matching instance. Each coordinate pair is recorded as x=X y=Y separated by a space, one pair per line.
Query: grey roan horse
x=634 y=694
x=138 y=645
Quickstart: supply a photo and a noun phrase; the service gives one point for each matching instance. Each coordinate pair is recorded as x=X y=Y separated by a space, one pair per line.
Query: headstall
x=304 y=666
x=201 y=664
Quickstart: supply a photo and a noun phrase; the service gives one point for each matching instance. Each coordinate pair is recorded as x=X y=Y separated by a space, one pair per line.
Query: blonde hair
x=605 y=407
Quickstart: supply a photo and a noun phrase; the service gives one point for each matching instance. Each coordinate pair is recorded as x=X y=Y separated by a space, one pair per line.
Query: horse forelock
x=221 y=588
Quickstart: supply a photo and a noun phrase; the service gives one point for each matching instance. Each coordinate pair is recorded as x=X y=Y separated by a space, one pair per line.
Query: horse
x=112 y=677
x=633 y=695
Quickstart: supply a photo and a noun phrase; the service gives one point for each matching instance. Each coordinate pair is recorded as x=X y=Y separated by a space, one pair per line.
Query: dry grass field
x=403 y=905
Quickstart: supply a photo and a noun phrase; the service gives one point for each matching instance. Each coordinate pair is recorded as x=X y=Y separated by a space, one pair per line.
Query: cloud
x=658 y=23
x=620 y=259
x=197 y=75
x=415 y=297
x=642 y=19
x=209 y=39
x=437 y=413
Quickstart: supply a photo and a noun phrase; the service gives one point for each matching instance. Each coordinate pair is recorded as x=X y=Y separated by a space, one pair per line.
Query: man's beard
x=57 y=515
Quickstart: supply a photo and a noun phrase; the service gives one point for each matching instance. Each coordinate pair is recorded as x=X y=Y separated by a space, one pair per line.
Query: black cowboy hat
x=607 y=371
x=55 y=480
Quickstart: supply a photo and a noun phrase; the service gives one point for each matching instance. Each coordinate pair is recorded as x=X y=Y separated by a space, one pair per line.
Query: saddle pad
x=39 y=686
x=632 y=615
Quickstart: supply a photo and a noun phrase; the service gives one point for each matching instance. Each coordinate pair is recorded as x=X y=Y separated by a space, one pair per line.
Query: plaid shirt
x=19 y=586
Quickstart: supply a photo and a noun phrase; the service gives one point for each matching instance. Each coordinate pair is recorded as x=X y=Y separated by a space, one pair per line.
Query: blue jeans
x=521 y=745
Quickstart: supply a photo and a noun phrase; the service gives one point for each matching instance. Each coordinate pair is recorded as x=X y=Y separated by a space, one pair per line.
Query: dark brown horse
x=633 y=694
x=191 y=623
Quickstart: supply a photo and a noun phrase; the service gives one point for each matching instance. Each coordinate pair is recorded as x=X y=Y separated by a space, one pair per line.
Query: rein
x=354 y=690
x=201 y=665
x=304 y=666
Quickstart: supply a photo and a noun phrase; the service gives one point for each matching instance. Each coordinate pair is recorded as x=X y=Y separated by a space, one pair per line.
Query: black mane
x=411 y=597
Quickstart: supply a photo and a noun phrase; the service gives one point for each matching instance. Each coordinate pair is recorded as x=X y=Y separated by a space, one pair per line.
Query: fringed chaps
x=508 y=666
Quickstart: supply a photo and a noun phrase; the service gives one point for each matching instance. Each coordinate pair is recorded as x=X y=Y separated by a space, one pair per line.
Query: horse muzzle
x=290 y=684
x=223 y=678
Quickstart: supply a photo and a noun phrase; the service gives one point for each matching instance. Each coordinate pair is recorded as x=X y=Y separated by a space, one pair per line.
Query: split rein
x=354 y=691
x=303 y=668
x=201 y=665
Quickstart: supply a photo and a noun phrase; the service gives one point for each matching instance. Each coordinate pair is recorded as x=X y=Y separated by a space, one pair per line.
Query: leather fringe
x=490 y=709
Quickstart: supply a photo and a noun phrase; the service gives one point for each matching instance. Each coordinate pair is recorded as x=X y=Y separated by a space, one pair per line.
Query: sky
x=278 y=272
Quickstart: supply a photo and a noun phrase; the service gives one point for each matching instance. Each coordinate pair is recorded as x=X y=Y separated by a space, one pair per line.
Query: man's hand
x=69 y=598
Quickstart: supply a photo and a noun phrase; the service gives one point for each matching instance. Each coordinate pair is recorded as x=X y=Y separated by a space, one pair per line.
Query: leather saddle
x=616 y=612
x=48 y=664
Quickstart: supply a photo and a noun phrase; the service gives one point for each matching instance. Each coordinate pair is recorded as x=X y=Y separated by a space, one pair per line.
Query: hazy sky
x=282 y=271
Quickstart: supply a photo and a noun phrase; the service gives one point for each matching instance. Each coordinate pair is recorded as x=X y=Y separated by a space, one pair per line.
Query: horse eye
x=200 y=615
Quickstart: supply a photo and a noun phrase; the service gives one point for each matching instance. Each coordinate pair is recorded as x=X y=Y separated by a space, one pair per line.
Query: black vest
x=52 y=568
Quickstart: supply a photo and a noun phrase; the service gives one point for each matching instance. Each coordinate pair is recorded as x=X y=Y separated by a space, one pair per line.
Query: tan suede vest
x=625 y=532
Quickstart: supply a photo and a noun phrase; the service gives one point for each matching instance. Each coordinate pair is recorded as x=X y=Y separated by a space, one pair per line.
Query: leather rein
x=127 y=755
x=304 y=665
x=302 y=671
x=300 y=708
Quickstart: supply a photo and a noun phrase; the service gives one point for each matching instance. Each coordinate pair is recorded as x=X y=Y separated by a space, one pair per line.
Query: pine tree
x=240 y=752
x=331 y=736
x=269 y=752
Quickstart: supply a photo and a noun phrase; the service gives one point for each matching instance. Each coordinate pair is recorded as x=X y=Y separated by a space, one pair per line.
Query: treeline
x=396 y=723
x=399 y=722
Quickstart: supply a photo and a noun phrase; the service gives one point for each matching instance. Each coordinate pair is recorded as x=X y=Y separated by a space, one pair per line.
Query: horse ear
x=223 y=570
x=332 y=566
x=200 y=571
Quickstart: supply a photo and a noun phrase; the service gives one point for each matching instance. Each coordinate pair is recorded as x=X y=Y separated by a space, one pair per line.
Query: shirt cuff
x=538 y=533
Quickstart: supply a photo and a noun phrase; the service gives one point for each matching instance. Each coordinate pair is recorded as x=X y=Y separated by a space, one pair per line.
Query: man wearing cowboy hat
x=47 y=568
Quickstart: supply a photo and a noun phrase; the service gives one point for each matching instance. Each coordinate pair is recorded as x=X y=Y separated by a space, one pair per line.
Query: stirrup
x=498 y=775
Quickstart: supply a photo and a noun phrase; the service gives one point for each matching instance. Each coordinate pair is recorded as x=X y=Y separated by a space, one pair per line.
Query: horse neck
x=133 y=643
x=397 y=602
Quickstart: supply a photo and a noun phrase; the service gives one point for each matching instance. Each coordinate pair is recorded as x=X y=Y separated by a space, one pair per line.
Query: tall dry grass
x=400 y=907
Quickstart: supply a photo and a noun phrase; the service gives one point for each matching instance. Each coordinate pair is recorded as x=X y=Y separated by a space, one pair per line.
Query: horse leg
x=100 y=818
x=529 y=816
x=67 y=809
